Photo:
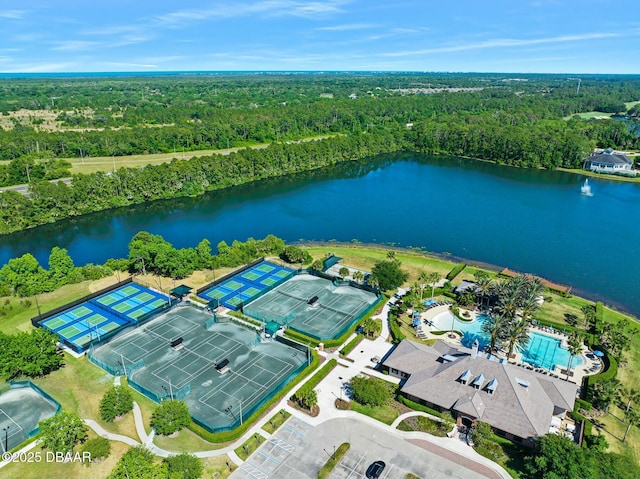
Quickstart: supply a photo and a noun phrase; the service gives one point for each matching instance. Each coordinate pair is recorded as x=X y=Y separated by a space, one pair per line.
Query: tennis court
x=245 y=286
x=82 y=324
x=256 y=370
x=21 y=409
x=312 y=305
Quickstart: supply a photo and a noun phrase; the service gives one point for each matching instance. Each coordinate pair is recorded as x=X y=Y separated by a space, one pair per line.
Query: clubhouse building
x=520 y=404
x=609 y=161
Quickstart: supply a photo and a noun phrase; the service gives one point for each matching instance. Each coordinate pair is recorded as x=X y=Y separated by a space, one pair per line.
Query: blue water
x=531 y=221
x=547 y=352
x=542 y=351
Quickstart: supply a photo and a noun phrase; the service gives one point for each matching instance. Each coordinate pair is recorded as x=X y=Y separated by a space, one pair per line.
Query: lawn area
x=604 y=176
x=89 y=165
x=364 y=257
x=425 y=424
x=76 y=470
x=507 y=454
x=277 y=420
x=590 y=114
x=219 y=467
x=185 y=441
x=385 y=414
x=333 y=461
x=18 y=316
x=253 y=443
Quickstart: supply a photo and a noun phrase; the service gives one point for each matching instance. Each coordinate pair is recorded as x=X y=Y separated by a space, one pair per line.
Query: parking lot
x=298 y=450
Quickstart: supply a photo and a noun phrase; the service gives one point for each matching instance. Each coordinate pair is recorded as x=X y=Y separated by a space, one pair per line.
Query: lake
x=528 y=220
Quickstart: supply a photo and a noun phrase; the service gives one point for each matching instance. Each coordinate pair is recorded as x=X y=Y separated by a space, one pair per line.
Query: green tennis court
x=251 y=276
x=232 y=285
x=70 y=332
x=80 y=311
x=95 y=319
x=251 y=291
x=55 y=323
x=137 y=313
x=123 y=307
x=265 y=268
x=107 y=300
x=268 y=281
x=282 y=273
x=110 y=326
x=157 y=303
x=129 y=290
x=84 y=339
x=144 y=297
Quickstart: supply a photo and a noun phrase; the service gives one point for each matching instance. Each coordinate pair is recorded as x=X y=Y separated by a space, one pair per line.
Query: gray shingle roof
x=524 y=411
x=610 y=159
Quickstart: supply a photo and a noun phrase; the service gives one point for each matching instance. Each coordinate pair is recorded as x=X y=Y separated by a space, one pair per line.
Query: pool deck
x=591 y=363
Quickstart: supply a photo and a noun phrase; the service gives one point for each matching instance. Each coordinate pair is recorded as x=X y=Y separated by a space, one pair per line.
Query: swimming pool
x=542 y=351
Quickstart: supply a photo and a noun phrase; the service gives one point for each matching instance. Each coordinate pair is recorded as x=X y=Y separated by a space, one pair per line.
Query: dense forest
x=526 y=121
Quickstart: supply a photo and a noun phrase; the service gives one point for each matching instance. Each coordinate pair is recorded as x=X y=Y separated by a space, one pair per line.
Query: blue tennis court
x=246 y=285
x=89 y=321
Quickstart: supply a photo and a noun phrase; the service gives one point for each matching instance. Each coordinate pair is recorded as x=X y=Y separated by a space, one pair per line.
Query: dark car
x=375 y=470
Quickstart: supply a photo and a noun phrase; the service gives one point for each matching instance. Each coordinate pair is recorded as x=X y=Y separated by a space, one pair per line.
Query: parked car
x=374 y=471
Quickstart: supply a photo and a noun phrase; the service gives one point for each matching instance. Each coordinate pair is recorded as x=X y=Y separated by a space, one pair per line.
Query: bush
x=351 y=345
x=170 y=416
x=303 y=395
x=115 y=402
x=98 y=448
x=394 y=329
x=388 y=274
x=62 y=432
x=184 y=466
x=371 y=391
x=457 y=269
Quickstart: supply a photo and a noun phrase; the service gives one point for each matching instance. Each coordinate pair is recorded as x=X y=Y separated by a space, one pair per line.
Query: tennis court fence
x=228 y=276
x=248 y=412
x=347 y=325
x=36 y=320
x=43 y=393
x=179 y=394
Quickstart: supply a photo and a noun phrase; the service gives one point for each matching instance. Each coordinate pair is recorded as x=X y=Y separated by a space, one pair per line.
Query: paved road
x=298 y=451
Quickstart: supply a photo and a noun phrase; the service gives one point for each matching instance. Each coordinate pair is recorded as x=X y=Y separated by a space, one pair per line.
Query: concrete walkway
x=331 y=388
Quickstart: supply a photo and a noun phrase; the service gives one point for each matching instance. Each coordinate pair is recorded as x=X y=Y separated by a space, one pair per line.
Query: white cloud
x=348 y=27
x=74 y=45
x=12 y=14
x=505 y=43
x=266 y=7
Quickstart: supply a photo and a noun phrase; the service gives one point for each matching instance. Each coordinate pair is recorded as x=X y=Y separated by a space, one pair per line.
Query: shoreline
x=602 y=176
x=579 y=292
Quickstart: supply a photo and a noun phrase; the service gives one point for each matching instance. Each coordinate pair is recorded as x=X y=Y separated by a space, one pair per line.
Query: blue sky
x=586 y=36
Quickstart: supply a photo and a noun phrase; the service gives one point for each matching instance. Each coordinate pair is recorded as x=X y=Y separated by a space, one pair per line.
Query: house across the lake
x=518 y=403
x=610 y=161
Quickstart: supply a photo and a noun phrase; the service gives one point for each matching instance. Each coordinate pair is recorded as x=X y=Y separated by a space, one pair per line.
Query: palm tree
x=358 y=276
x=484 y=286
x=507 y=305
x=517 y=336
x=432 y=279
x=423 y=277
x=633 y=419
x=575 y=347
x=606 y=391
x=494 y=328
x=632 y=395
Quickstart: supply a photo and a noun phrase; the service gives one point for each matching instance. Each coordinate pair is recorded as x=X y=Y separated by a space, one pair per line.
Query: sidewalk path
x=331 y=388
